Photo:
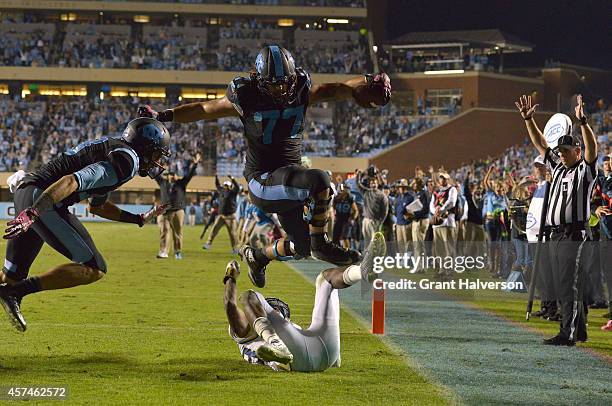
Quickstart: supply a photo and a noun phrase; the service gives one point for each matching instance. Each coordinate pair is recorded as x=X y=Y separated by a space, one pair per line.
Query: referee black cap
x=568 y=141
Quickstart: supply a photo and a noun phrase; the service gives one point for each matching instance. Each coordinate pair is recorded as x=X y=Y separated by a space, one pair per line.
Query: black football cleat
x=11 y=305
x=377 y=248
x=257 y=270
x=335 y=254
x=559 y=341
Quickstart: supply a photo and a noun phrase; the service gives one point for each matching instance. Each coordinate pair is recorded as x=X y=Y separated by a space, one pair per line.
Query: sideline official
x=567 y=218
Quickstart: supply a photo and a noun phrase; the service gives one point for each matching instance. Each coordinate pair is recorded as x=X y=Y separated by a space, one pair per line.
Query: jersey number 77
x=273 y=116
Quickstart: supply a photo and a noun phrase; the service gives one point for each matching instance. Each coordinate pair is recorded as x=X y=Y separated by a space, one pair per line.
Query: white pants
x=318 y=347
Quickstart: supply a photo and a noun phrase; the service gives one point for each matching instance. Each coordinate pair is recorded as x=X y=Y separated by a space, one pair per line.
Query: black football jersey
x=343 y=206
x=273 y=132
x=100 y=167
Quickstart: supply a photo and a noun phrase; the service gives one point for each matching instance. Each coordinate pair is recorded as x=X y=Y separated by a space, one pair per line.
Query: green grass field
x=154 y=331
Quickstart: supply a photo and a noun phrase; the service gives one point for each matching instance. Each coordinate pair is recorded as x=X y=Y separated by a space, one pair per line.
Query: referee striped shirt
x=570 y=191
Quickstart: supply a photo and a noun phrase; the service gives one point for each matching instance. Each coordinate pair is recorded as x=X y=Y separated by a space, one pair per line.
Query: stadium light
x=141 y=18
x=68 y=17
x=337 y=20
x=443 y=72
x=285 y=22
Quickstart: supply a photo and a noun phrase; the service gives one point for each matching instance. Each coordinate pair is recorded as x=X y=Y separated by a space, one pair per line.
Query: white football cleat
x=275 y=351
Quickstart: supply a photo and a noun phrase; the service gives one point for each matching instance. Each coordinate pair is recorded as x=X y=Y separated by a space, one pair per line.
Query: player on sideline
x=271 y=103
x=263 y=330
x=91 y=171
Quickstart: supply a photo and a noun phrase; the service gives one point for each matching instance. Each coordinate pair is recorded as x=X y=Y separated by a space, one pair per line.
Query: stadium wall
x=480 y=89
x=471 y=135
x=207 y=183
x=133 y=76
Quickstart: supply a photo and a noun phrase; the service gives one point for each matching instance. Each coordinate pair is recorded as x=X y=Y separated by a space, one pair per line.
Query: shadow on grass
x=100 y=364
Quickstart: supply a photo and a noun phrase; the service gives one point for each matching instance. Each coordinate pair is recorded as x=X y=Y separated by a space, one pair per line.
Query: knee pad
x=288 y=246
x=318 y=180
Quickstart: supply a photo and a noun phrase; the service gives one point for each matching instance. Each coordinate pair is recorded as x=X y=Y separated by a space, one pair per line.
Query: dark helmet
x=151 y=141
x=275 y=73
x=279 y=306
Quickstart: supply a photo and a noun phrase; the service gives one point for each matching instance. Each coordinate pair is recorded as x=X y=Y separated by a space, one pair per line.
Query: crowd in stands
x=17 y=132
x=180 y=45
x=371 y=131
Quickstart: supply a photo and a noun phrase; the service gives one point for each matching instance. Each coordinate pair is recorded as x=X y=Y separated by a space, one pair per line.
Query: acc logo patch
x=531 y=221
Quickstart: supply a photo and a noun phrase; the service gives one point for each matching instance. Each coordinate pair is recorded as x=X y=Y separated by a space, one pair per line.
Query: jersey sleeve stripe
x=100 y=174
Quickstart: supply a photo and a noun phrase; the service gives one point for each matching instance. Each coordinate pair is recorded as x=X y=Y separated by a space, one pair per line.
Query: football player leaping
x=42 y=200
x=265 y=334
x=271 y=104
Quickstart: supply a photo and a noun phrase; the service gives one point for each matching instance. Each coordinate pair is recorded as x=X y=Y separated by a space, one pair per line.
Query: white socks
x=265 y=330
x=352 y=275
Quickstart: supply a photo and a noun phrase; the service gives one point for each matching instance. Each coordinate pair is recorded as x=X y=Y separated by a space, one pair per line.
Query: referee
x=567 y=218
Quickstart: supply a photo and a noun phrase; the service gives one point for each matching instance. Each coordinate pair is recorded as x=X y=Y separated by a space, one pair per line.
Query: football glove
x=21 y=223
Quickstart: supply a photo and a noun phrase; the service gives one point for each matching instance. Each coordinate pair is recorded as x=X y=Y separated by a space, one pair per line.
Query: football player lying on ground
x=272 y=104
x=89 y=171
x=263 y=330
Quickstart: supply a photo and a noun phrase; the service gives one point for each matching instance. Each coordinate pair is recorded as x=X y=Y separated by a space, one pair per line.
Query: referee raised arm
x=567 y=217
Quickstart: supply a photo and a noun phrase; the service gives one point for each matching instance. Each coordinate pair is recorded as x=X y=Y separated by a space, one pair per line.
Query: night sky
x=577 y=32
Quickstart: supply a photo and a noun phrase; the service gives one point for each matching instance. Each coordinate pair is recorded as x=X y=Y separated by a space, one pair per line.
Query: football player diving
x=271 y=103
x=42 y=199
x=262 y=326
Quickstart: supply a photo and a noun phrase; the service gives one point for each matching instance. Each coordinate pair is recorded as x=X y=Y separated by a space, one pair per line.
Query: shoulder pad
x=234 y=90
x=303 y=77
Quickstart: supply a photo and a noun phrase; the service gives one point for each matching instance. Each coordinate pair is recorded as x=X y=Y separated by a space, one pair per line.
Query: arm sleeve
x=98 y=200
x=192 y=171
x=432 y=205
x=466 y=189
x=97 y=175
x=125 y=163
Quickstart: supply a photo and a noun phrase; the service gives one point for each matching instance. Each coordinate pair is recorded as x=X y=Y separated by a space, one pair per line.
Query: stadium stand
x=177 y=44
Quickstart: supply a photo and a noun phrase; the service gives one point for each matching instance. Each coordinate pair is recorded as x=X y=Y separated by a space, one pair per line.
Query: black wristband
x=583 y=120
x=528 y=118
x=127 y=217
x=166 y=115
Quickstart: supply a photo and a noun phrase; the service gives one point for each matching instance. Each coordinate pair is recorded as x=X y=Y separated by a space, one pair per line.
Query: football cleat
x=11 y=305
x=162 y=255
x=257 y=271
x=206 y=246
x=377 y=248
x=335 y=254
x=275 y=351
x=232 y=271
x=178 y=255
x=559 y=341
